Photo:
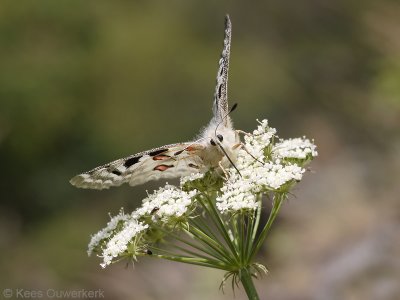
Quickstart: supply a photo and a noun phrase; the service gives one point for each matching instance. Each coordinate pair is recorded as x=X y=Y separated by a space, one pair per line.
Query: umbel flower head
x=125 y=235
x=212 y=220
x=264 y=167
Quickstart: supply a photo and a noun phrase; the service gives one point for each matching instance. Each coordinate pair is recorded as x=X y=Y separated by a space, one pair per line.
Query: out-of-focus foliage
x=85 y=82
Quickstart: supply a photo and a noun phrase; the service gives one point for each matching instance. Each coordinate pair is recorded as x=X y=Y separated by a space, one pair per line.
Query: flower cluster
x=263 y=168
x=126 y=234
x=299 y=148
x=261 y=138
x=119 y=243
x=107 y=231
x=165 y=204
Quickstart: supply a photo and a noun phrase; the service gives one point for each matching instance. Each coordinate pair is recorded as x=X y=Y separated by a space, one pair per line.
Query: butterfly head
x=225 y=137
x=223 y=143
x=220 y=138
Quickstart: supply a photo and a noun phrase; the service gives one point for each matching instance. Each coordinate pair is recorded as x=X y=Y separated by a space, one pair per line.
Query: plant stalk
x=247 y=281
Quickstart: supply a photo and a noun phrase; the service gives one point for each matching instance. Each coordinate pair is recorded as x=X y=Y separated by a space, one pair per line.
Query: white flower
x=260 y=139
x=166 y=202
x=106 y=232
x=191 y=177
x=237 y=195
x=299 y=148
x=259 y=174
x=239 y=192
x=118 y=244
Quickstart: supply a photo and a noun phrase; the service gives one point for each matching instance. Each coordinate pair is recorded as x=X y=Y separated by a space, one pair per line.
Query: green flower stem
x=247 y=281
x=222 y=228
x=210 y=213
x=242 y=242
x=200 y=223
x=274 y=212
x=249 y=234
x=212 y=251
x=212 y=244
x=195 y=261
x=257 y=220
x=193 y=245
x=235 y=231
x=195 y=254
x=202 y=226
x=203 y=236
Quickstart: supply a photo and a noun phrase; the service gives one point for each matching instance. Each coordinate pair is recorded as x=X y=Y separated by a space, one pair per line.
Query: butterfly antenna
x=230 y=160
x=234 y=106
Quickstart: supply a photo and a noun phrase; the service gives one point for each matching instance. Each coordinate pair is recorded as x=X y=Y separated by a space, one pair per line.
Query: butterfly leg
x=242 y=132
x=237 y=146
x=223 y=170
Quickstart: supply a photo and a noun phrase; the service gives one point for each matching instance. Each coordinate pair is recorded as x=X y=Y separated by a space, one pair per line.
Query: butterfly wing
x=172 y=160
x=169 y=161
x=220 y=107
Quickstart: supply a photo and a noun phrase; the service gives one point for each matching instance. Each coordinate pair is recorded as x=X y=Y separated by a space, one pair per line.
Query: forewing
x=164 y=162
x=220 y=107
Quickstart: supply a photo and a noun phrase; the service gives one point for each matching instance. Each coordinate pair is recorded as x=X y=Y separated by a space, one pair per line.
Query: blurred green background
x=86 y=82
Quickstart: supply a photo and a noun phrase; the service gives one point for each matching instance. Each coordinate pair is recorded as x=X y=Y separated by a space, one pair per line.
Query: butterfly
x=215 y=147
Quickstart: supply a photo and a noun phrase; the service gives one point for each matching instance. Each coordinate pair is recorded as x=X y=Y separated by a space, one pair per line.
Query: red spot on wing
x=162 y=167
x=192 y=148
x=161 y=157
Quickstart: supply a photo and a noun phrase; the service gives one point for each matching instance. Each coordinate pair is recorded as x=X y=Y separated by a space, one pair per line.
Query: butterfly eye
x=212 y=142
x=220 y=137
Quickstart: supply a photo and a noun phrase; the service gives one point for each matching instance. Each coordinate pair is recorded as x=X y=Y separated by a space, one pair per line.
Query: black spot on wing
x=156 y=152
x=179 y=152
x=220 y=90
x=116 y=172
x=131 y=161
